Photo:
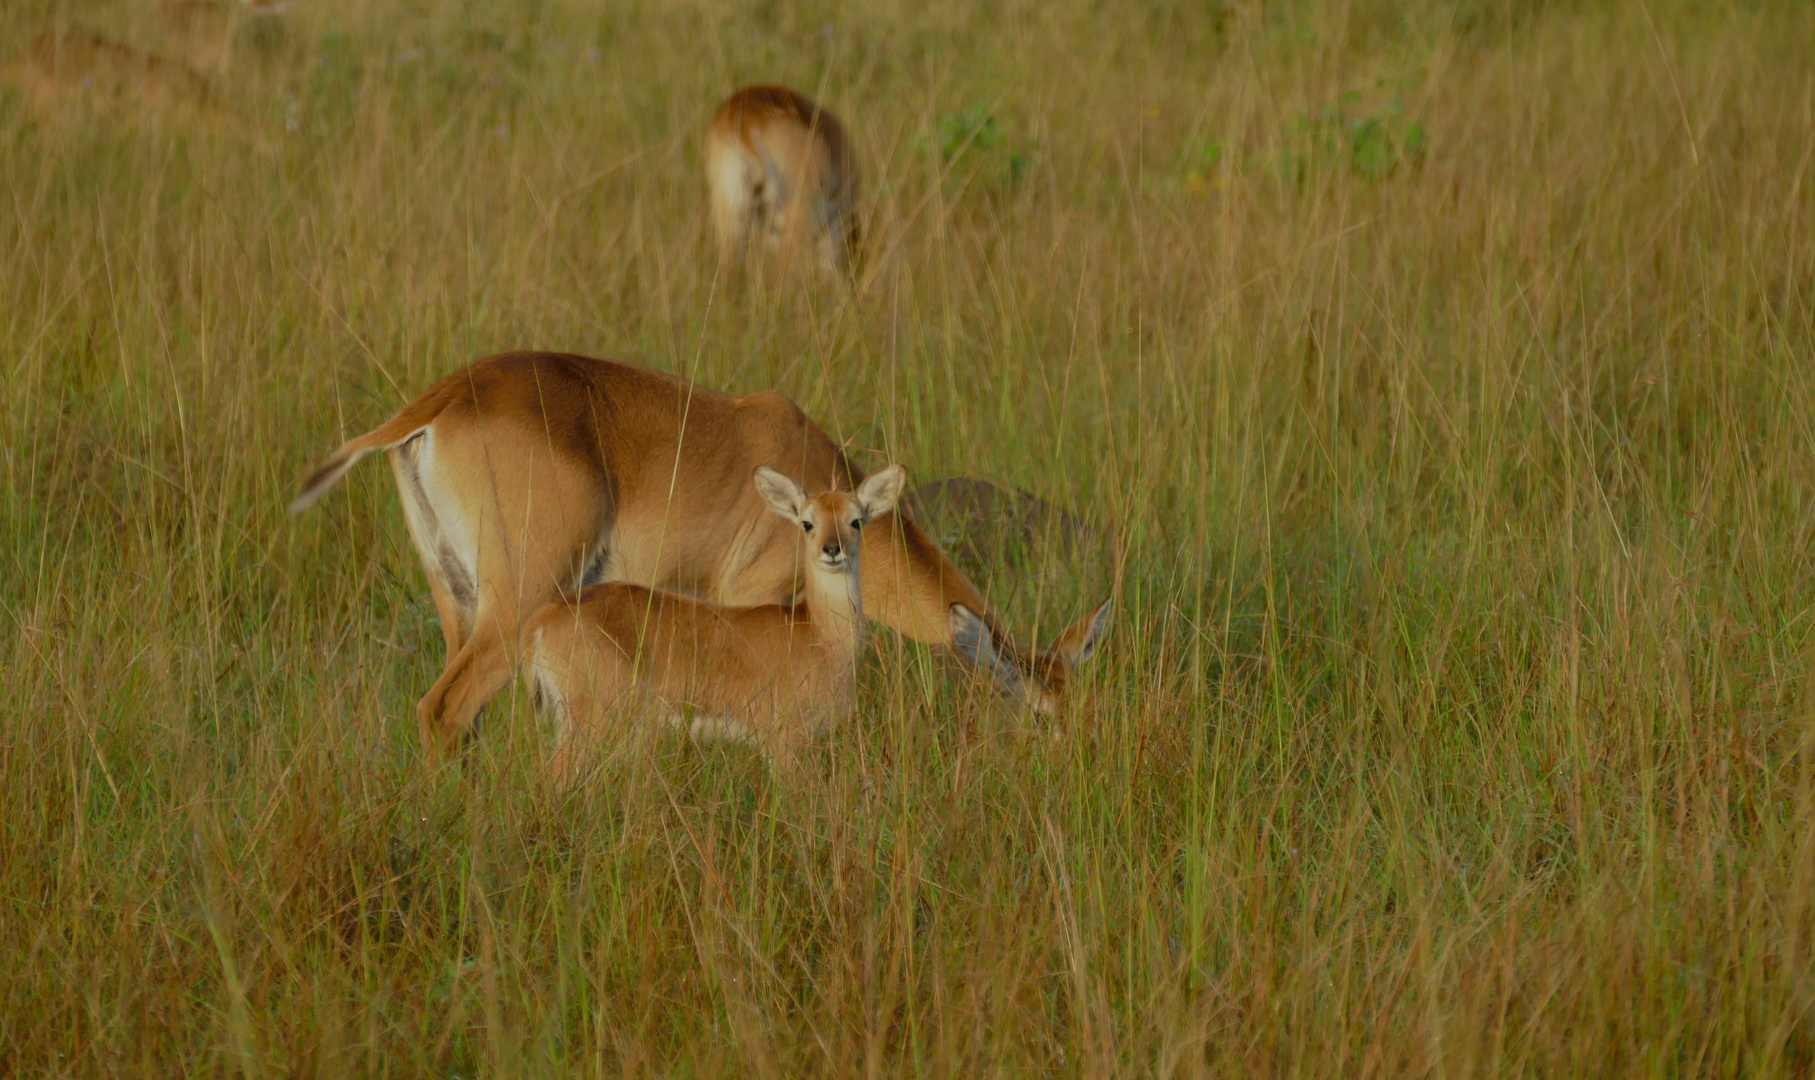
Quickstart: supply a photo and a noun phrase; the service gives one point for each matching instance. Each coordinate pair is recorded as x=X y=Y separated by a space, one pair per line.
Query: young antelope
x=773 y=674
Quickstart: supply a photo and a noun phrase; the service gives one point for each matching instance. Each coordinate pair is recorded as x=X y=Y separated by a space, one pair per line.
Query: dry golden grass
x=1443 y=370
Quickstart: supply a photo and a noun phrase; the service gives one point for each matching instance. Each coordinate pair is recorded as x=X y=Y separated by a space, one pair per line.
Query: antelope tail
x=399 y=429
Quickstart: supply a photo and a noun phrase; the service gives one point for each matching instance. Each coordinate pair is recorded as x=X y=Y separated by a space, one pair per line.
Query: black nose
x=831 y=550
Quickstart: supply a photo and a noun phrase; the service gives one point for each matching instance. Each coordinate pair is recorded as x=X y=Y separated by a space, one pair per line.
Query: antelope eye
x=856 y=523
x=806 y=526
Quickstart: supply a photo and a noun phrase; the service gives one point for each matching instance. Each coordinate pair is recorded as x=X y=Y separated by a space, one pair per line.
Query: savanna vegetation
x=1436 y=379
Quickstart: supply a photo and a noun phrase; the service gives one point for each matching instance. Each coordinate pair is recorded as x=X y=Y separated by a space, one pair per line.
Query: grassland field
x=1440 y=373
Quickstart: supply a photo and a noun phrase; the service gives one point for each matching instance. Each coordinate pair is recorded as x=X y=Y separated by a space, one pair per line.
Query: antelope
x=780 y=167
x=774 y=674
x=60 y=66
x=529 y=475
x=973 y=639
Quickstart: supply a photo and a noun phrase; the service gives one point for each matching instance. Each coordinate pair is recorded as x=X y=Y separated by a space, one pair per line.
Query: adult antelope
x=780 y=168
x=774 y=674
x=532 y=474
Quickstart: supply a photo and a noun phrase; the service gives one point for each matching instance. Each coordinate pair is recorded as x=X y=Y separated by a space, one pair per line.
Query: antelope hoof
x=439 y=745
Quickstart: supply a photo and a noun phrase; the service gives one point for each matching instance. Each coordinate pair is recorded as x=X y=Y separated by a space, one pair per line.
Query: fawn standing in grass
x=774 y=674
x=780 y=168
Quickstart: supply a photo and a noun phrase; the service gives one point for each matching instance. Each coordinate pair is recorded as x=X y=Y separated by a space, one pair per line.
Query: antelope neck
x=836 y=604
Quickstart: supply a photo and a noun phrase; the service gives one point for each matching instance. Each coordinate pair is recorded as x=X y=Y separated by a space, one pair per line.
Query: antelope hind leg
x=447 y=609
x=473 y=677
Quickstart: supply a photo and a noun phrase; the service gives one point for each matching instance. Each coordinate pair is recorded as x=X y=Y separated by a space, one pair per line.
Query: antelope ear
x=973 y=641
x=1080 y=640
x=783 y=495
x=877 y=495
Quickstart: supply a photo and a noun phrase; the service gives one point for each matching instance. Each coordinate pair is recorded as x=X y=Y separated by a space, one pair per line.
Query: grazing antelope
x=528 y=475
x=781 y=168
x=973 y=639
x=774 y=674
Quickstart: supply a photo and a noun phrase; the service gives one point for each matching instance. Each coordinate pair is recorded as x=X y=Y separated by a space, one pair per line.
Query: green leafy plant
x=335 y=73
x=1197 y=164
x=969 y=129
x=974 y=132
x=1371 y=143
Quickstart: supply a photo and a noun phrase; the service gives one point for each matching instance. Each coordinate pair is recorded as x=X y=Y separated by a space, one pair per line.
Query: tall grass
x=1444 y=369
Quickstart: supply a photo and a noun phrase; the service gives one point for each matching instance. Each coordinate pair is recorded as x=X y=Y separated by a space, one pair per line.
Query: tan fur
x=63 y=66
x=775 y=674
x=208 y=34
x=529 y=475
x=780 y=168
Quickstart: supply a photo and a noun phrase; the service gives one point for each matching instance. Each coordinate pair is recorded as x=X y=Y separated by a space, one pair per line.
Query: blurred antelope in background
x=62 y=67
x=773 y=674
x=780 y=168
x=169 y=66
